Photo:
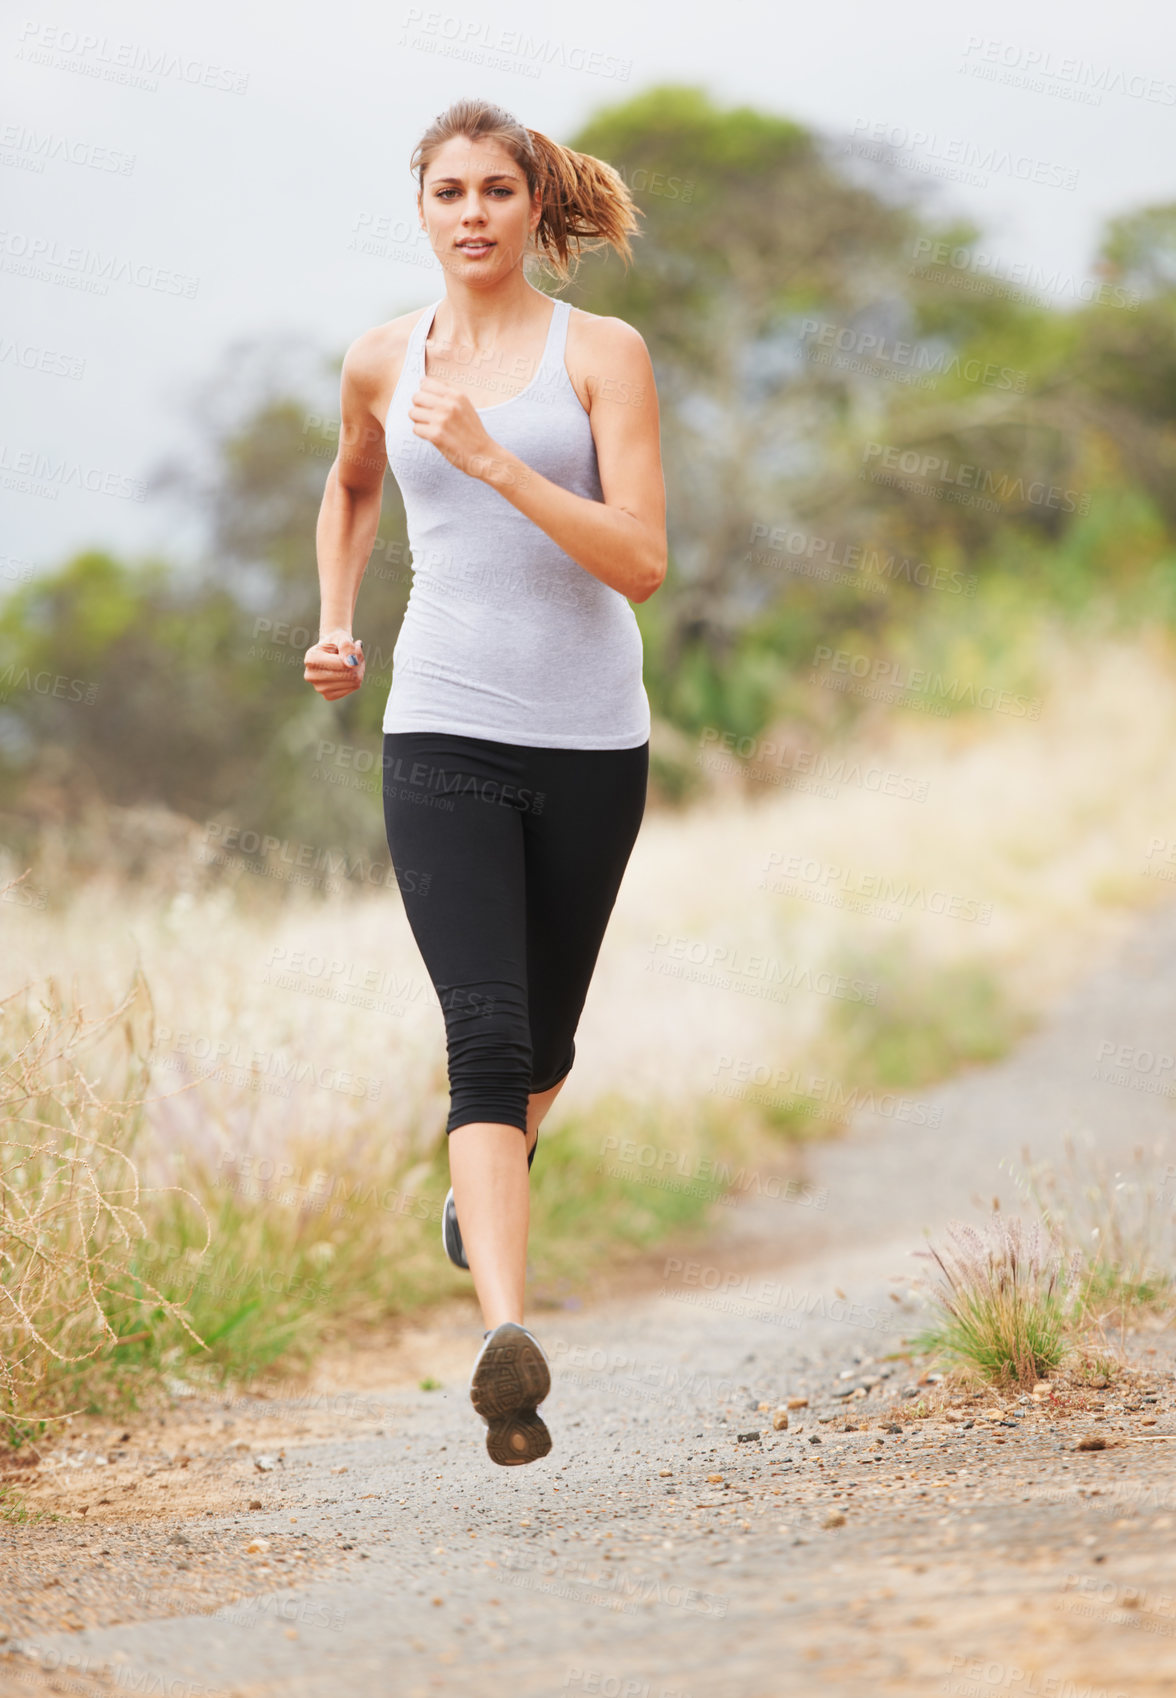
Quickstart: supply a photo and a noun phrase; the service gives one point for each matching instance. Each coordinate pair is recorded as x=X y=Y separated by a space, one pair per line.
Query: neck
x=485 y=317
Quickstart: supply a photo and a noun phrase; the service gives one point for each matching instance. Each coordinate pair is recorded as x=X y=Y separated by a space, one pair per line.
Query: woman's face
x=476 y=209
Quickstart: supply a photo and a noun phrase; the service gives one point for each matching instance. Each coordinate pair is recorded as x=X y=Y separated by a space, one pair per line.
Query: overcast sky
x=226 y=156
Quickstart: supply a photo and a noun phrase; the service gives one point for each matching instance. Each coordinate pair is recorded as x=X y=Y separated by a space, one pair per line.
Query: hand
x=444 y=415
x=334 y=665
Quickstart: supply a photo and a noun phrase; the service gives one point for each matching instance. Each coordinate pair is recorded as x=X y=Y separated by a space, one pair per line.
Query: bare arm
x=348 y=520
x=620 y=540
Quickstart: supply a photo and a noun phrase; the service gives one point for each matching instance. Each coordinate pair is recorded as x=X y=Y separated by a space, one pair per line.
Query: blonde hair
x=585 y=202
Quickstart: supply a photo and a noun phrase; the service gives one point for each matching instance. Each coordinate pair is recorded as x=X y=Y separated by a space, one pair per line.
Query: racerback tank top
x=505 y=636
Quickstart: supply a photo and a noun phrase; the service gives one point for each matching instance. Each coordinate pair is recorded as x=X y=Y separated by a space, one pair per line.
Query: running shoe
x=511 y=1377
x=451 y=1232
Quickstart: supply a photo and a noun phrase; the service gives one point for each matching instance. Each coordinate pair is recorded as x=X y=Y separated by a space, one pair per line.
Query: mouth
x=476 y=246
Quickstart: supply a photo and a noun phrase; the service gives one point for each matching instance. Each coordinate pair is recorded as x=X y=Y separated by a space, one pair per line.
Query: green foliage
x=812 y=500
x=927 y=1021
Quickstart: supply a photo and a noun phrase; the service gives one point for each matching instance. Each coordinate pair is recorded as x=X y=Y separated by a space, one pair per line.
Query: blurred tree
x=811 y=327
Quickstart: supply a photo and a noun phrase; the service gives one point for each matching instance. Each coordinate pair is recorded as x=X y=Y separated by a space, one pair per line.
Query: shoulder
x=608 y=337
x=607 y=359
x=374 y=361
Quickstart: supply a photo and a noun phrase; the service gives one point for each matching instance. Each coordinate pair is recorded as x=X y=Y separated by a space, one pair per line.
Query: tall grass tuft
x=72 y=1205
x=1006 y=1297
x=1119 y=1215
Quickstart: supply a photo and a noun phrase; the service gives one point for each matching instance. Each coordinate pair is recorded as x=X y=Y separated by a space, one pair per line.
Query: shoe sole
x=511 y=1378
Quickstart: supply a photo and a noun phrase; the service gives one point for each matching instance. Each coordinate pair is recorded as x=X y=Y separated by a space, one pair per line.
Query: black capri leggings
x=508 y=860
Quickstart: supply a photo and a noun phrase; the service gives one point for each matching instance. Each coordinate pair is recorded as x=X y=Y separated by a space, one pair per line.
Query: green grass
x=284 y=1278
x=15 y=1510
x=1006 y=1303
x=928 y=1022
x=218 y=1282
x=1020 y=1341
x=288 y=1272
x=1116 y=1214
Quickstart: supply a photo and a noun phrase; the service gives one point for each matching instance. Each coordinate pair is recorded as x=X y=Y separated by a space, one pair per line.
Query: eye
x=498 y=189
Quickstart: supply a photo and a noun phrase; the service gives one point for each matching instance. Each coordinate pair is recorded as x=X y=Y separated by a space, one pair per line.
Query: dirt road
x=892 y=1539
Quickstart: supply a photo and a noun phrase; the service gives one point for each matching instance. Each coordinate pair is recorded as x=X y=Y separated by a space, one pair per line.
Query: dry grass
x=1121 y=1219
x=73 y=1211
x=297 y=1049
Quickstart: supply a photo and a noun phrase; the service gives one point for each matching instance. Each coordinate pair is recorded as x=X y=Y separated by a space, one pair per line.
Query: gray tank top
x=504 y=635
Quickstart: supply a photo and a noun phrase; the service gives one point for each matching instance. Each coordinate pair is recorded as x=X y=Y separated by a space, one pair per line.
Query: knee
x=490 y=1062
x=552 y=1066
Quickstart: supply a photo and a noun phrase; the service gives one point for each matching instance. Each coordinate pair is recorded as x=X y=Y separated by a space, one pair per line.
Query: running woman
x=524 y=438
